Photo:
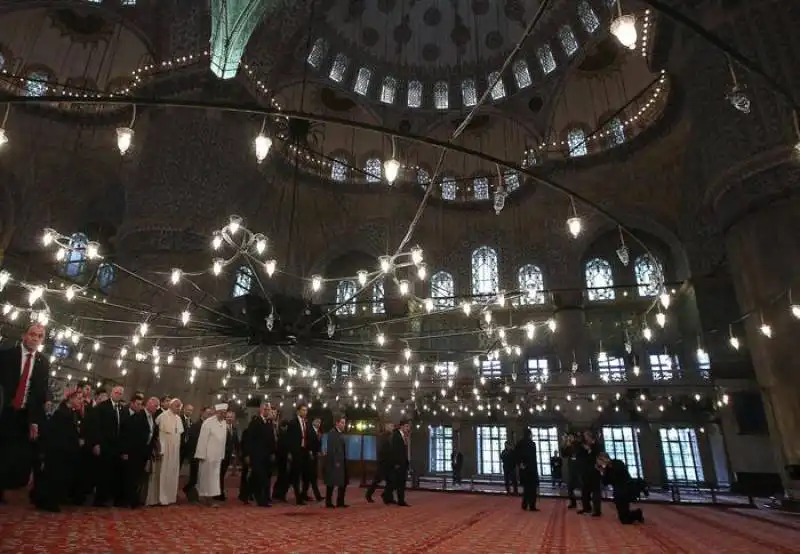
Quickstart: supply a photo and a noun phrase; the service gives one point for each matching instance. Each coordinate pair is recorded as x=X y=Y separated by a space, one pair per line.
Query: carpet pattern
x=437 y=523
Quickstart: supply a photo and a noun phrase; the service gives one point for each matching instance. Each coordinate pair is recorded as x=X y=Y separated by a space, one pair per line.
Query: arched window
x=480 y=188
x=388 y=89
x=615 y=131
x=588 y=17
x=36 y=84
x=484 y=271
x=345 y=292
x=469 y=96
x=448 y=188
x=511 y=180
x=546 y=59
x=106 y=275
x=339 y=169
x=338 y=68
x=372 y=170
x=414 y=99
x=495 y=80
x=314 y=58
x=377 y=298
x=522 y=74
x=531 y=284
x=441 y=97
x=443 y=290
x=75 y=260
x=423 y=177
x=576 y=141
x=649 y=275
x=568 y=41
x=599 y=280
x=243 y=281
x=363 y=77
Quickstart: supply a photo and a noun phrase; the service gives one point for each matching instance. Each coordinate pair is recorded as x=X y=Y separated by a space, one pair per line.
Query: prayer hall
x=399 y=276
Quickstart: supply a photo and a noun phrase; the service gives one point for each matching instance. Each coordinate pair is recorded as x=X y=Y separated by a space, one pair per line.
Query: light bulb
x=3 y=137
x=185 y=316
x=216 y=242
x=175 y=276
x=428 y=305
x=404 y=287
x=234 y=224
x=422 y=271
x=734 y=342
x=362 y=277
x=381 y=339
x=124 y=139
x=796 y=310
x=575 y=225
x=92 y=250
x=48 y=237
x=551 y=323
x=270 y=266
x=316 y=282
x=416 y=255
x=385 y=263
x=661 y=319
x=217 y=267
x=391 y=168
x=261 y=243
x=647 y=333
x=467 y=307
x=624 y=29
x=665 y=299
x=766 y=330
x=263 y=144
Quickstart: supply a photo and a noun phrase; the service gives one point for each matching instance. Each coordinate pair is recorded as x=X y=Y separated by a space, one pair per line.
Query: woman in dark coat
x=335 y=467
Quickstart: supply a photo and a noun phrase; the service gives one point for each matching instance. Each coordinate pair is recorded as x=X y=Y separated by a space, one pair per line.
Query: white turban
x=221 y=407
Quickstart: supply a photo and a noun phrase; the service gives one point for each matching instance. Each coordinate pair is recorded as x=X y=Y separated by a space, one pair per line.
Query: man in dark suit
x=399 y=460
x=592 y=484
x=312 y=467
x=24 y=375
x=138 y=440
x=336 y=466
x=191 y=446
x=509 y=462
x=298 y=442
x=282 y=463
x=261 y=452
x=615 y=473
x=525 y=457
x=186 y=419
x=104 y=438
x=232 y=446
x=384 y=469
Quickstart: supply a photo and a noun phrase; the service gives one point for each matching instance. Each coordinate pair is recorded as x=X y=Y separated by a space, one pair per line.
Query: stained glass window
x=615 y=132
x=106 y=275
x=576 y=141
x=498 y=88
x=377 y=298
x=339 y=67
x=76 y=255
x=588 y=17
x=484 y=271
x=243 y=282
x=414 y=94
x=339 y=169
x=448 y=188
x=599 y=280
x=314 y=58
x=480 y=187
x=522 y=74
x=372 y=170
x=423 y=177
x=662 y=367
x=511 y=180
x=649 y=276
x=681 y=455
x=36 y=85
x=622 y=443
x=490 y=441
x=345 y=292
x=363 y=78
x=610 y=368
x=440 y=448
x=531 y=285
x=538 y=370
x=546 y=59
x=443 y=291
x=388 y=89
x=440 y=95
x=468 y=93
x=568 y=41
x=546 y=440
x=530 y=159
x=61 y=349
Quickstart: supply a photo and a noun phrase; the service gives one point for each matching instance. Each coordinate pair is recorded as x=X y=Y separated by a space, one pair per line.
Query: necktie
x=303 y=424
x=22 y=388
x=116 y=412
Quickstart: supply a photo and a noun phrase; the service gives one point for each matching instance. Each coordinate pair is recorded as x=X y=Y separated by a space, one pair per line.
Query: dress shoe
x=404 y=505
x=597 y=515
x=534 y=509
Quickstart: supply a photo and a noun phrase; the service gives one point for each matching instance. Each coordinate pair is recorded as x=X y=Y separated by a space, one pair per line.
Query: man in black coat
x=312 y=467
x=525 y=457
x=591 y=482
x=191 y=446
x=509 y=463
x=261 y=449
x=282 y=461
x=24 y=375
x=384 y=469
x=138 y=441
x=615 y=473
x=232 y=450
x=399 y=460
x=335 y=470
x=298 y=442
x=104 y=438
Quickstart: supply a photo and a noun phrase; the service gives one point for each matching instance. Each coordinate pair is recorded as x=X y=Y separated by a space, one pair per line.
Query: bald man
x=23 y=392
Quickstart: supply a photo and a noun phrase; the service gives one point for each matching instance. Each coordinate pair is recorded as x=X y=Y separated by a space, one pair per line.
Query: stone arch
x=370 y=239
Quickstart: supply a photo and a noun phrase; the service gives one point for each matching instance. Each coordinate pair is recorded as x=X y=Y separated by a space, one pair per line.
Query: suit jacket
x=385 y=449
x=193 y=434
x=10 y=374
x=260 y=441
x=232 y=443
x=616 y=474
x=135 y=439
x=61 y=437
x=314 y=440
x=335 y=466
x=294 y=436
x=525 y=457
x=105 y=427
x=399 y=450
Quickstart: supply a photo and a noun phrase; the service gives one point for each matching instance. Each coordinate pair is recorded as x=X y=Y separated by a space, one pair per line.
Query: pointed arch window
x=443 y=291
x=339 y=67
x=485 y=274
x=448 y=188
x=530 y=158
x=75 y=259
x=339 y=169
x=587 y=16
x=423 y=177
x=567 y=39
x=576 y=141
x=511 y=180
x=345 y=294
x=531 y=284
x=495 y=80
x=106 y=276
x=243 y=281
x=414 y=99
x=546 y=59
x=469 y=96
x=616 y=132
x=480 y=188
x=377 y=298
x=36 y=84
x=388 y=89
x=522 y=74
x=599 y=280
x=363 y=78
x=441 y=99
x=649 y=275
x=372 y=170
x=314 y=58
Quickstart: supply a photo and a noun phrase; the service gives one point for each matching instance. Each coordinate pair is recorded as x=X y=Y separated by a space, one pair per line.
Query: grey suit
x=335 y=468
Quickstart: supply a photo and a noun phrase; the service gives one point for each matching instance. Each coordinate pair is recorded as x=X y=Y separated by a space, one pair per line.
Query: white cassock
x=210 y=451
x=170 y=429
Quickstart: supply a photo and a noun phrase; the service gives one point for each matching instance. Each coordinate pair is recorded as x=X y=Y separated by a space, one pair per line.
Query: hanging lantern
x=624 y=29
x=391 y=168
x=262 y=144
x=124 y=139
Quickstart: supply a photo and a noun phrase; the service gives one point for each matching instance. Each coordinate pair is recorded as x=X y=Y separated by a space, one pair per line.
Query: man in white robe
x=210 y=452
x=170 y=429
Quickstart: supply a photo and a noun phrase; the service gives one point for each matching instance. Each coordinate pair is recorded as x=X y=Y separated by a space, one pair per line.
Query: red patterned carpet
x=437 y=523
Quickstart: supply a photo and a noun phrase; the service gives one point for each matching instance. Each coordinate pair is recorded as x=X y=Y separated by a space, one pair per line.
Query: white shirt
x=24 y=358
x=150 y=423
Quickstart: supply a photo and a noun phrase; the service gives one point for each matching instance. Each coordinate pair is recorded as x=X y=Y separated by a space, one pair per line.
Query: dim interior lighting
x=316 y=282
x=262 y=144
x=796 y=310
x=124 y=139
x=381 y=339
x=391 y=168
